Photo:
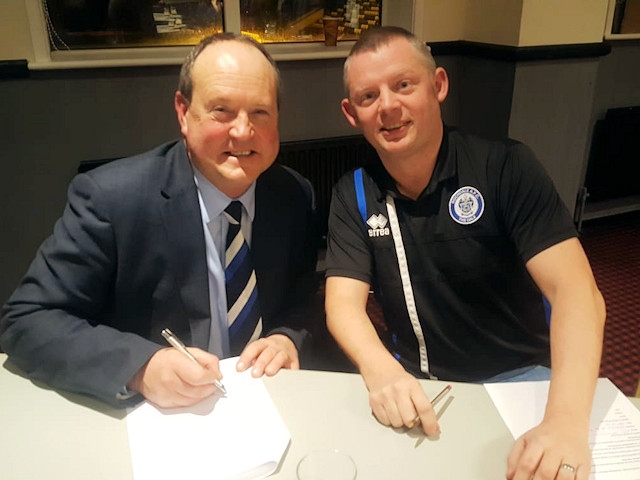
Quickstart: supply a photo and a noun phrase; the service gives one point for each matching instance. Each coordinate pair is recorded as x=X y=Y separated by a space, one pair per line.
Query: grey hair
x=185 y=82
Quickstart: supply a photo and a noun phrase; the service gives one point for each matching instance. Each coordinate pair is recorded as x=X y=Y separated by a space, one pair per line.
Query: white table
x=331 y=410
x=57 y=435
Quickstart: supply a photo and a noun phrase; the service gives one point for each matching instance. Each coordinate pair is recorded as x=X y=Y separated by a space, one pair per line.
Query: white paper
x=233 y=437
x=614 y=435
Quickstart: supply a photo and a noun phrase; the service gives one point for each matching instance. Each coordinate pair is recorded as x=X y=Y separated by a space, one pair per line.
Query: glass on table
x=329 y=464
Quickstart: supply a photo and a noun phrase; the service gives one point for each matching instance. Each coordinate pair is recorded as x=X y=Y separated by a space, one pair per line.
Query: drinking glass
x=326 y=465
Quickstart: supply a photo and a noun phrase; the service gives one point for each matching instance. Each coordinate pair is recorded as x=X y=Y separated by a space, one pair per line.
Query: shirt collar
x=215 y=201
x=442 y=171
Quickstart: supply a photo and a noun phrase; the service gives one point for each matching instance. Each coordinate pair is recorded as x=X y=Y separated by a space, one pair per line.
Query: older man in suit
x=141 y=245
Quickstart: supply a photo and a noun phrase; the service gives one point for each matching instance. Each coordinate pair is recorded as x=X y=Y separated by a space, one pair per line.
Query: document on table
x=237 y=436
x=614 y=435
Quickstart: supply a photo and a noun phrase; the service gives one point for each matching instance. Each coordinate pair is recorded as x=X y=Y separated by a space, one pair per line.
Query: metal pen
x=177 y=343
x=435 y=400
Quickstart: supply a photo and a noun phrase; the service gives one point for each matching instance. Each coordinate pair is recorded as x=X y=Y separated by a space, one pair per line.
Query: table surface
x=58 y=435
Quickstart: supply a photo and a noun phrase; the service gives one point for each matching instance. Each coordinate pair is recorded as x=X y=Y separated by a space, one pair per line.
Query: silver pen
x=177 y=343
x=437 y=398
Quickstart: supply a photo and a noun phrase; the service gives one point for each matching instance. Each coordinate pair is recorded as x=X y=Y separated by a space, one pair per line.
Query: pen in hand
x=435 y=400
x=177 y=343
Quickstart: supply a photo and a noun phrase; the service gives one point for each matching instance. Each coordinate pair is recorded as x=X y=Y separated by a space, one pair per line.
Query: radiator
x=323 y=162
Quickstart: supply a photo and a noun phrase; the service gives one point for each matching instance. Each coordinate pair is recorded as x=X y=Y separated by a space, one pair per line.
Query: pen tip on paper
x=221 y=388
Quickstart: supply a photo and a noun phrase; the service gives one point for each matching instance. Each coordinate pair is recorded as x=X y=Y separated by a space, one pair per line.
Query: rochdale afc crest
x=466 y=205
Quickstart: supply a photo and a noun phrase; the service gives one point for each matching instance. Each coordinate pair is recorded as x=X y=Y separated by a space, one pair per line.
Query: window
x=116 y=24
x=90 y=24
x=115 y=33
x=624 y=18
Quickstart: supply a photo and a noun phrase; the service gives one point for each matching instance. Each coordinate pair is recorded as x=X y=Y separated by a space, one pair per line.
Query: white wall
x=502 y=22
x=15 y=39
x=440 y=20
x=493 y=21
x=512 y=22
x=551 y=112
x=484 y=21
x=554 y=22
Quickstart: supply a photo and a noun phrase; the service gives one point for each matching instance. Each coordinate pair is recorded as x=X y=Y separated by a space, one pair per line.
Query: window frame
x=608 y=30
x=45 y=58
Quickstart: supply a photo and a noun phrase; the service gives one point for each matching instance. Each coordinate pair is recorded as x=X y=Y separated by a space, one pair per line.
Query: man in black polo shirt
x=471 y=252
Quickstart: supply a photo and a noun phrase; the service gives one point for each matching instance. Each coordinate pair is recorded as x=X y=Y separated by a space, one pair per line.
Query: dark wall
x=50 y=122
x=618 y=81
x=482 y=90
x=54 y=119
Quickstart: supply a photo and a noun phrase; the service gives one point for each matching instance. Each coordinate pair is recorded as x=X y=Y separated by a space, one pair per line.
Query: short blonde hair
x=372 y=39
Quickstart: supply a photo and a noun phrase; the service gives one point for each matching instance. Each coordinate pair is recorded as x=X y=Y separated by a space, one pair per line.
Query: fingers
x=428 y=416
x=389 y=411
x=428 y=419
x=567 y=472
x=404 y=403
x=182 y=396
x=548 y=453
x=528 y=463
x=170 y=379
x=269 y=362
x=514 y=457
x=209 y=363
x=268 y=355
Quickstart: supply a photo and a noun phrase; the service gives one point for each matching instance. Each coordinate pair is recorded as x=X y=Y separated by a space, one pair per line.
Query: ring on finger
x=566 y=466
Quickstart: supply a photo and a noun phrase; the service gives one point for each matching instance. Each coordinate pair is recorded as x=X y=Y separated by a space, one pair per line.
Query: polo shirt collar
x=443 y=170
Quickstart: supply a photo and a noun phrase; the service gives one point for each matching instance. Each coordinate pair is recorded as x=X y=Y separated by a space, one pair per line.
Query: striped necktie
x=243 y=308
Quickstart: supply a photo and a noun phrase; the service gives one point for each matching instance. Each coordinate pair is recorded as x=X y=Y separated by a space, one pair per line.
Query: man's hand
x=170 y=379
x=542 y=451
x=397 y=398
x=268 y=355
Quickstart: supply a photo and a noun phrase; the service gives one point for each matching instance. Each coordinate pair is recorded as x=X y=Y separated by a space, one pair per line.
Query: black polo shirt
x=489 y=208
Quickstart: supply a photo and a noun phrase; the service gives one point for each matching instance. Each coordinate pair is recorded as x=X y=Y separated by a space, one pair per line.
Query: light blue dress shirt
x=212 y=204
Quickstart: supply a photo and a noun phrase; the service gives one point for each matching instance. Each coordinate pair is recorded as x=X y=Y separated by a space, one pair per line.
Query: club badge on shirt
x=466 y=205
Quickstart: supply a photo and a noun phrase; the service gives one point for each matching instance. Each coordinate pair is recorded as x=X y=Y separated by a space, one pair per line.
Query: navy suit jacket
x=127 y=259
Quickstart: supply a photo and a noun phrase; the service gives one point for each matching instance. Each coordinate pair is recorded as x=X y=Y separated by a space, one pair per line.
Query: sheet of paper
x=615 y=424
x=237 y=436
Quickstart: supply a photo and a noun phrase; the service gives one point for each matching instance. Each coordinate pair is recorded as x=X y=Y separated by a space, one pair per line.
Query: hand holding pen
x=177 y=343
x=434 y=402
x=177 y=377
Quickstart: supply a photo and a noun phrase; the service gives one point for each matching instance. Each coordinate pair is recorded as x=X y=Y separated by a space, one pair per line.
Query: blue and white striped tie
x=243 y=308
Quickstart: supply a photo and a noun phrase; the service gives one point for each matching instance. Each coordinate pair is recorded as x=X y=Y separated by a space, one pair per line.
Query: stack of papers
x=237 y=436
x=614 y=436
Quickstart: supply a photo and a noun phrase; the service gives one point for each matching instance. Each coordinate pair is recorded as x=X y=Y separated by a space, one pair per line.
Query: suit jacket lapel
x=265 y=226
x=185 y=242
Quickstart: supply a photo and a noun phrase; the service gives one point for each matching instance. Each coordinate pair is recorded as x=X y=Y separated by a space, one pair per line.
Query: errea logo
x=378 y=224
